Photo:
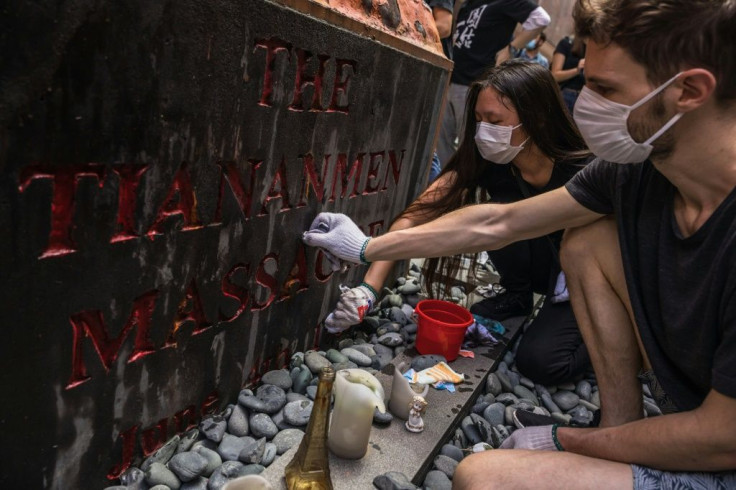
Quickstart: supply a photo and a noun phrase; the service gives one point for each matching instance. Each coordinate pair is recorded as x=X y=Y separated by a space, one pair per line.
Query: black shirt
x=483 y=28
x=446 y=41
x=564 y=47
x=682 y=289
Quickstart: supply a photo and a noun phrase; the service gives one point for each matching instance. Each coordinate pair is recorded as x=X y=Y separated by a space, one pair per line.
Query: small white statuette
x=416 y=408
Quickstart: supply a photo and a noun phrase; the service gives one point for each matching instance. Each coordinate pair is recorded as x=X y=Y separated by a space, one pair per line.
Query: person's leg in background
x=452 y=121
x=435 y=169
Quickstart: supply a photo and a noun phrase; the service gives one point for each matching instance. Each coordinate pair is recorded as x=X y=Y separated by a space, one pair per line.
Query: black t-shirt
x=446 y=41
x=483 y=28
x=564 y=47
x=682 y=289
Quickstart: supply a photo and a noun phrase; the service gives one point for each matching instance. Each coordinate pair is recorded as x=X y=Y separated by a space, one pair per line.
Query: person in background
x=507 y=144
x=568 y=63
x=481 y=39
x=531 y=51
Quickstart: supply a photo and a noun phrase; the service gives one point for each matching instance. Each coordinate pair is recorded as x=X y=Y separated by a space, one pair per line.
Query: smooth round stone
x=293 y=397
x=584 y=390
x=397 y=315
x=382 y=350
x=484 y=428
x=296 y=360
x=393 y=480
x=508 y=415
x=507 y=399
x=595 y=399
x=493 y=385
x=650 y=408
x=540 y=390
x=156 y=487
x=380 y=362
x=390 y=339
x=251 y=469
x=470 y=430
x=523 y=392
x=514 y=378
x=541 y=411
x=488 y=398
x=315 y=362
x=421 y=363
x=214 y=460
x=132 y=476
x=269 y=454
x=158 y=474
x=508 y=358
x=268 y=399
x=561 y=418
x=253 y=451
x=213 y=428
x=481 y=447
x=525 y=404
x=225 y=414
x=526 y=382
x=278 y=377
x=123 y=487
x=163 y=454
x=552 y=390
x=211 y=445
x=229 y=470
x=199 y=483
x=280 y=421
x=436 y=480
x=569 y=386
x=344 y=344
x=395 y=300
x=382 y=418
x=400 y=350
x=480 y=407
x=495 y=413
x=230 y=447
x=459 y=439
x=505 y=381
x=413 y=300
x=286 y=439
x=187 y=466
x=502 y=367
x=345 y=365
x=387 y=328
x=566 y=400
x=549 y=404
x=446 y=465
x=237 y=424
x=261 y=425
x=357 y=357
x=411 y=328
x=366 y=349
x=408 y=311
x=334 y=356
x=311 y=392
x=371 y=321
x=298 y=413
x=452 y=452
x=589 y=405
x=187 y=440
x=410 y=287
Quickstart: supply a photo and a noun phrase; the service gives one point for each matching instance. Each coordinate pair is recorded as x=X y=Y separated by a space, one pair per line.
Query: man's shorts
x=650 y=479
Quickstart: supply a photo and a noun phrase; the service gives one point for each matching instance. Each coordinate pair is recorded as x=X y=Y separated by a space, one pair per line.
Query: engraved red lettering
x=92 y=324
x=238 y=293
x=129 y=438
x=154 y=437
x=282 y=359
x=374 y=228
x=185 y=419
x=64 y=183
x=340 y=88
x=263 y=278
x=374 y=162
x=303 y=80
x=130 y=178
x=209 y=405
x=277 y=190
x=394 y=166
x=190 y=310
x=180 y=201
x=243 y=194
x=310 y=178
x=341 y=175
x=319 y=267
x=273 y=47
x=297 y=280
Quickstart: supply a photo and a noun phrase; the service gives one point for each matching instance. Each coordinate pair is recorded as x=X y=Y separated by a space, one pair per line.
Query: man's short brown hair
x=667 y=36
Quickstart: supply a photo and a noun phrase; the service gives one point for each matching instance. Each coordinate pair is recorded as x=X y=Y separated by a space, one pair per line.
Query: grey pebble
x=495 y=413
x=393 y=480
x=212 y=445
x=411 y=328
x=315 y=362
x=214 y=460
x=526 y=382
x=230 y=447
x=268 y=399
x=188 y=465
x=121 y=487
x=251 y=469
x=595 y=399
x=540 y=390
x=508 y=358
x=159 y=487
x=651 y=408
x=286 y=439
x=344 y=365
x=459 y=439
x=311 y=392
x=158 y=474
x=357 y=357
x=300 y=380
x=488 y=398
x=505 y=382
x=446 y=465
x=344 y=344
x=484 y=428
x=514 y=379
x=237 y=424
x=493 y=385
x=292 y=397
x=296 y=360
x=561 y=418
x=297 y=413
x=584 y=390
x=269 y=454
x=549 y=403
x=588 y=405
x=278 y=377
x=509 y=415
x=570 y=386
x=390 y=339
x=334 y=356
x=253 y=451
x=566 y=400
x=199 y=483
x=507 y=398
x=409 y=288
x=280 y=421
x=261 y=425
x=421 y=363
x=187 y=440
x=502 y=367
x=229 y=470
x=366 y=349
x=436 y=480
x=163 y=454
x=480 y=407
x=132 y=476
x=470 y=430
x=397 y=315
x=523 y=392
x=453 y=452
x=382 y=418
x=213 y=428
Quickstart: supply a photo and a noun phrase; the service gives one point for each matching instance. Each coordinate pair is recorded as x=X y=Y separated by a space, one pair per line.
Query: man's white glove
x=339 y=237
x=543 y=438
x=352 y=307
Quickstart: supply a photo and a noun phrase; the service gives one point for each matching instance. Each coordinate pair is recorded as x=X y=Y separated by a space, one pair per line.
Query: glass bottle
x=310 y=468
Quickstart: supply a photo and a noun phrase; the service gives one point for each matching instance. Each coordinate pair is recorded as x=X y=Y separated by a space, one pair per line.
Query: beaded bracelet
x=363 y=260
x=554 y=438
x=370 y=288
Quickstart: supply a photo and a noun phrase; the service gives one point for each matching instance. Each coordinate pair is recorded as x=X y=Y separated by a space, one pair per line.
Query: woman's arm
x=558 y=61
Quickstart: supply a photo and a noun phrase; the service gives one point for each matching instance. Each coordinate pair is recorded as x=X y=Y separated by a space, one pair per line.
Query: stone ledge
x=393 y=448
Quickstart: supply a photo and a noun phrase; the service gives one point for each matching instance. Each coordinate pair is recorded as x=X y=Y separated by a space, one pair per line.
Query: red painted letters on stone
x=180 y=201
x=130 y=179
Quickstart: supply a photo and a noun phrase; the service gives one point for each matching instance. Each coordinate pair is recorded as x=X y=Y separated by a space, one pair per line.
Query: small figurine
x=416 y=408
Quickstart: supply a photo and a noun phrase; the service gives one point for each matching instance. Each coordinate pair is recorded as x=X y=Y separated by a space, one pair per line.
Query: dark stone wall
x=158 y=164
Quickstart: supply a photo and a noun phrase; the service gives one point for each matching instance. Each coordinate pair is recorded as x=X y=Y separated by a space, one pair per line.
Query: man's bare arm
x=703 y=439
x=483 y=227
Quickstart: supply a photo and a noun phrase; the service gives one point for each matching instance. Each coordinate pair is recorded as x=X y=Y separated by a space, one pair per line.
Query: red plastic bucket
x=441 y=327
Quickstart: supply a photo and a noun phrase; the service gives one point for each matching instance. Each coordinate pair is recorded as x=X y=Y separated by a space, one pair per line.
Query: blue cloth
x=436 y=168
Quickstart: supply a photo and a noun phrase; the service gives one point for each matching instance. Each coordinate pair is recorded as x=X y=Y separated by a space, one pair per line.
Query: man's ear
x=698 y=86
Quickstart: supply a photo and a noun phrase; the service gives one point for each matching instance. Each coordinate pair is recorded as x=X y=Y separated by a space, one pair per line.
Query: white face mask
x=603 y=126
x=494 y=142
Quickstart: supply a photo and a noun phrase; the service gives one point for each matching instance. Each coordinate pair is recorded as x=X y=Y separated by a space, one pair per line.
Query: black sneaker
x=522 y=419
x=506 y=305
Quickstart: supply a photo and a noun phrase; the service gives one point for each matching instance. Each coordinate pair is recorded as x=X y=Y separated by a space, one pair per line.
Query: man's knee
x=585 y=242
x=471 y=473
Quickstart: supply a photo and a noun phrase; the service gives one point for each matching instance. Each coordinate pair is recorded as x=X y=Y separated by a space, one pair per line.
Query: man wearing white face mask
x=650 y=254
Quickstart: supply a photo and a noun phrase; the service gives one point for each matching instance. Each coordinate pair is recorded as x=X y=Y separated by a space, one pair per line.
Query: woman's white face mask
x=603 y=126
x=494 y=142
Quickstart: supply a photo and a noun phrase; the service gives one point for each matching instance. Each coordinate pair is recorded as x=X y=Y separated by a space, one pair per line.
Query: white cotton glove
x=352 y=307
x=540 y=438
x=338 y=236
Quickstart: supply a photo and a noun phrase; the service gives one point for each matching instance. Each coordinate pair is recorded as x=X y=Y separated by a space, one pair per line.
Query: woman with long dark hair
x=518 y=141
